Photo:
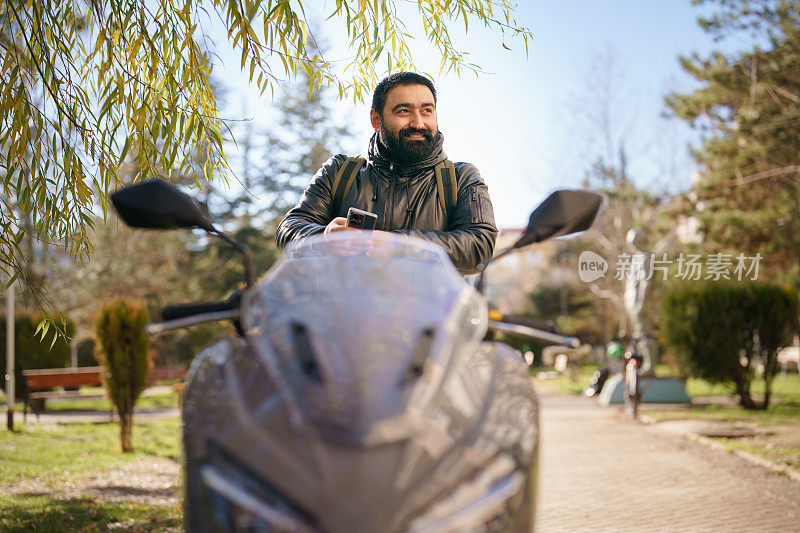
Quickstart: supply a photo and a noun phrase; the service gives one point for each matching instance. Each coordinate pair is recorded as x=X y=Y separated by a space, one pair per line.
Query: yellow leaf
x=101 y=38
x=252 y=33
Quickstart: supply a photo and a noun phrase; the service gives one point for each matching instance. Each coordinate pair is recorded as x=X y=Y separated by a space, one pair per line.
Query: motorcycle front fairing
x=362 y=399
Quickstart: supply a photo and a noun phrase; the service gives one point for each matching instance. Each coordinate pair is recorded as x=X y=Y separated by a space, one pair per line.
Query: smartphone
x=356 y=218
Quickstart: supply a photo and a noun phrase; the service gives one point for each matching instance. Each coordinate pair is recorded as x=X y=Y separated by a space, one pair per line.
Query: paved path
x=601 y=472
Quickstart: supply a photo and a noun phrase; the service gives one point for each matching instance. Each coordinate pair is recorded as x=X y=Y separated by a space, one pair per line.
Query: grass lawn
x=785 y=389
x=784 y=455
x=102 y=404
x=37 y=512
x=70 y=451
x=576 y=378
x=784 y=408
x=777 y=414
x=573 y=381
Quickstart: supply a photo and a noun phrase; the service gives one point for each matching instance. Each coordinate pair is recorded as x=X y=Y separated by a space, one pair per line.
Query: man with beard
x=397 y=182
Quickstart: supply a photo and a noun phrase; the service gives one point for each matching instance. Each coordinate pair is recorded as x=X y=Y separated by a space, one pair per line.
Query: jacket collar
x=381 y=158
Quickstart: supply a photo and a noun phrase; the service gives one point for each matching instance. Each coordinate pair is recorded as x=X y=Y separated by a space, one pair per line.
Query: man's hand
x=337 y=224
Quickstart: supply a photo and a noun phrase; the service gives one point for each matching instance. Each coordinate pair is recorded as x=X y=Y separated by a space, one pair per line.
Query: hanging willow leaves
x=86 y=84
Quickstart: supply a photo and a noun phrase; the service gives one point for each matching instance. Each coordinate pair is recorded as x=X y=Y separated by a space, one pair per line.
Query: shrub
x=86 y=353
x=123 y=350
x=720 y=329
x=31 y=351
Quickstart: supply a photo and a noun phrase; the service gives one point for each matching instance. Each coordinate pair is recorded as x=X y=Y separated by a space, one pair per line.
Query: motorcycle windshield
x=347 y=324
x=379 y=273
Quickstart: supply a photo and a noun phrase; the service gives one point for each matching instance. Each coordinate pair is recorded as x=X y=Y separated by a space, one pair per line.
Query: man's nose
x=416 y=120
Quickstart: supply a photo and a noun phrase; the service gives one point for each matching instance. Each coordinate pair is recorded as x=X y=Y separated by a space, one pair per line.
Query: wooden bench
x=41 y=383
x=160 y=373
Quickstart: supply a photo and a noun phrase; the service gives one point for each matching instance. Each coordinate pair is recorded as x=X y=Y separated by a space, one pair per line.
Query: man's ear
x=375 y=119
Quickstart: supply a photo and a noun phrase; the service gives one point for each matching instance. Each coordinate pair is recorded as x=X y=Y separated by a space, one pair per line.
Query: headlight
x=482 y=505
x=242 y=501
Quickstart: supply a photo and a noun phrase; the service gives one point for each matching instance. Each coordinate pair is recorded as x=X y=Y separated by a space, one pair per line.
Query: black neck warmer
x=382 y=157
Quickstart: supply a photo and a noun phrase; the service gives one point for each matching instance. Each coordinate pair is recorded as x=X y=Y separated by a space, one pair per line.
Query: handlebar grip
x=173 y=312
x=523 y=320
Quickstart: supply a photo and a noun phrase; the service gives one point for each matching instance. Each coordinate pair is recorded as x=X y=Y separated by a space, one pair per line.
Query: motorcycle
x=361 y=394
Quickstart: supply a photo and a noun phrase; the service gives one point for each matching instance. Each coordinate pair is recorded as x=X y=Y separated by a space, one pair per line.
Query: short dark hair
x=398 y=78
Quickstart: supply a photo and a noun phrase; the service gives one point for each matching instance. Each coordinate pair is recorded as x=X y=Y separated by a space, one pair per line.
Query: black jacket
x=406 y=201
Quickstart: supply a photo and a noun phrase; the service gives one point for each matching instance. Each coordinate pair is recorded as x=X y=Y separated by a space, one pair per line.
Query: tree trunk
x=769 y=369
x=743 y=390
x=126 y=432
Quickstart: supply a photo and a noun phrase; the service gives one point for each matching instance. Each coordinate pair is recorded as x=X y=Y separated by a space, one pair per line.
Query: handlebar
x=534 y=333
x=514 y=324
x=159 y=327
x=174 y=312
x=182 y=315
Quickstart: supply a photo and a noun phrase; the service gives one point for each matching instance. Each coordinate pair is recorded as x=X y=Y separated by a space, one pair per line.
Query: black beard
x=408 y=152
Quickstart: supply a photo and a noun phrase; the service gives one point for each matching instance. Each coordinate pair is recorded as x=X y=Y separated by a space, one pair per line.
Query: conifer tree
x=748 y=107
x=124 y=355
x=277 y=164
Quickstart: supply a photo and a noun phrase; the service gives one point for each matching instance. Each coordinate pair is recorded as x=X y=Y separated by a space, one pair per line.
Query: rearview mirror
x=160 y=205
x=562 y=213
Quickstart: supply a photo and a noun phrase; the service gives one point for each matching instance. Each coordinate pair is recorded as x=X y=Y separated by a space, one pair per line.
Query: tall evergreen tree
x=748 y=107
x=276 y=165
x=305 y=135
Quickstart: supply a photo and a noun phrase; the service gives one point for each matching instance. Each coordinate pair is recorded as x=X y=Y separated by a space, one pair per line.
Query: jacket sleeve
x=469 y=241
x=314 y=210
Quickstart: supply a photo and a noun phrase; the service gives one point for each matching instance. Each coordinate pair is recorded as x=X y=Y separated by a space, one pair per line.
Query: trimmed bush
x=31 y=351
x=86 y=353
x=719 y=330
x=123 y=352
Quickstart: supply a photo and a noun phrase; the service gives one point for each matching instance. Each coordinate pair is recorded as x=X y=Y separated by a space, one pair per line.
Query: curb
x=749 y=457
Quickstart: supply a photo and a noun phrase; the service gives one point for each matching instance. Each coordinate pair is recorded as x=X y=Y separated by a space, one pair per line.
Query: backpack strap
x=447 y=187
x=344 y=179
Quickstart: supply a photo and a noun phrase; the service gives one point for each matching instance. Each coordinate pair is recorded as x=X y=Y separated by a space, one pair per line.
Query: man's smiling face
x=407 y=123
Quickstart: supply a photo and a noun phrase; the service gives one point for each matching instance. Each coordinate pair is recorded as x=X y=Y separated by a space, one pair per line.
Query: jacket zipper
x=388 y=208
x=477 y=213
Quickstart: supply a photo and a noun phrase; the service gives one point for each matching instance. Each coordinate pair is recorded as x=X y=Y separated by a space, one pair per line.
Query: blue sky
x=527 y=124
